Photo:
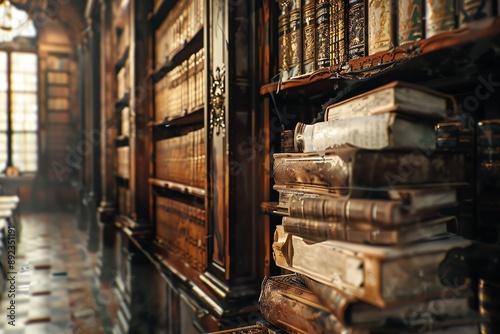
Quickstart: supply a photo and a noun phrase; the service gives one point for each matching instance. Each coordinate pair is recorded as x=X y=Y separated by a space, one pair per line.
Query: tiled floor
x=55 y=288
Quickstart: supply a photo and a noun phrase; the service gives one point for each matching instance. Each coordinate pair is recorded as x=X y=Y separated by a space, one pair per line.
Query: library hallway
x=56 y=291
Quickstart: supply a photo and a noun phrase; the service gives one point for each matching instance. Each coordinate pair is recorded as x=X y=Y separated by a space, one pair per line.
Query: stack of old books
x=362 y=230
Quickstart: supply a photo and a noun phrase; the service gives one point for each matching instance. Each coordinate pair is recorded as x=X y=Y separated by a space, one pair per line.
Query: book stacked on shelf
x=181 y=90
x=316 y=34
x=182 y=230
x=183 y=22
x=361 y=200
x=182 y=159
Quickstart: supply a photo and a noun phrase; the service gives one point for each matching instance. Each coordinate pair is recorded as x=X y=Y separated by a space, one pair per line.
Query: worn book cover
x=338 y=32
x=308 y=36
x=356 y=26
x=295 y=38
x=380 y=26
x=397 y=96
x=440 y=16
x=342 y=172
x=410 y=207
x=409 y=18
x=320 y=230
x=352 y=312
x=287 y=303
x=322 y=33
x=283 y=42
x=383 y=131
x=378 y=275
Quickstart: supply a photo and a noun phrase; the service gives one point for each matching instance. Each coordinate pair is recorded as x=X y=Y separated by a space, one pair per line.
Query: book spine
x=283 y=25
x=474 y=10
x=286 y=295
x=314 y=229
x=374 y=212
x=440 y=17
x=337 y=32
x=308 y=36
x=335 y=300
x=295 y=38
x=356 y=21
x=323 y=33
x=409 y=21
x=379 y=26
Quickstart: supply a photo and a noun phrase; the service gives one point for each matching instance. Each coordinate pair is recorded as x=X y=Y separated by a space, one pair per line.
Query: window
x=18 y=93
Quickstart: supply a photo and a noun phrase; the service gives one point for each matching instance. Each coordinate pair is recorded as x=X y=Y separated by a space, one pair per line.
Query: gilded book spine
x=308 y=36
x=288 y=303
x=380 y=26
x=375 y=212
x=323 y=33
x=283 y=25
x=337 y=32
x=474 y=10
x=356 y=14
x=409 y=21
x=440 y=16
x=295 y=38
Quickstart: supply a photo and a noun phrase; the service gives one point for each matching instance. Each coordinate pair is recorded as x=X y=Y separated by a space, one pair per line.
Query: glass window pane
x=3 y=150
x=24 y=112
x=24 y=147
x=24 y=62
x=3 y=111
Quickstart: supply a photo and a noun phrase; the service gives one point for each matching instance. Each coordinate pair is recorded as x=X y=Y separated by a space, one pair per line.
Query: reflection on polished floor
x=56 y=291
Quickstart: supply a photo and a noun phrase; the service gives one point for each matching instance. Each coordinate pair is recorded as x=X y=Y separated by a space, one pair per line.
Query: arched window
x=18 y=90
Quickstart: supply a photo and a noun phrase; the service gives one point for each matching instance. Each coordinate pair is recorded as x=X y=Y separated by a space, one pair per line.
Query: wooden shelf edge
x=195 y=116
x=179 y=187
x=477 y=30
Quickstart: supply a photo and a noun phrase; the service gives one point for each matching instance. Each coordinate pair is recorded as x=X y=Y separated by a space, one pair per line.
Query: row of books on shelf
x=182 y=89
x=123 y=161
x=181 y=228
x=58 y=78
x=58 y=103
x=182 y=159
x=365 y=228
x=123 y=80
x=315 y=34
x=180 y=26
x=59 y=63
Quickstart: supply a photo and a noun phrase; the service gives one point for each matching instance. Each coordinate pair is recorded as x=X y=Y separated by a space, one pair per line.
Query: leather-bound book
x=308 y=36
x=338 y=32
x=414 y=204
x=356 y=23
x=323 y=33
x=440 y=16
x=287 y=303
x=473 y=11
x=343 y=172
x=295 y=39
x=283 y=42
x=380 y=26
x=379 y=275
x=409 y=18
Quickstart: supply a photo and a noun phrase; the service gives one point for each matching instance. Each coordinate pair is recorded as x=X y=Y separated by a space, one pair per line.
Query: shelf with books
x=482 y=38
x=193 y=118
x=178 y=187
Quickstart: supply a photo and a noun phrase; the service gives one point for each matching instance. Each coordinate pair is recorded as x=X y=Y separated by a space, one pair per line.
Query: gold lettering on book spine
x=323 y=33
x=283 y=53
x=379 y=28
x=295 y=39
x=337 y=34
x=356 y=29
x=308 y=38
x=409 y=21
x=440 y=16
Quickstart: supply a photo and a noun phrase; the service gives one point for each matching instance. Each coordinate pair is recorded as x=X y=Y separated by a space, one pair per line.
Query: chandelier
x=13 y=21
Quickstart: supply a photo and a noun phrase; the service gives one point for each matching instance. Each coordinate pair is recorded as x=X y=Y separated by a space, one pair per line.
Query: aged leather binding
x=337 y=32
x=295 y=38
x=380 y=26
x=322 y=33
x=318 y=230
x=356 y=26
x=288 y=303
x=409 y=28
x=474 y=10
x=348 y=171
x=308 y=36
x=378 y=275
x=388 y=130
x=371 y=211
x=440 y=16
x=283 y=42
x=352 y=312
